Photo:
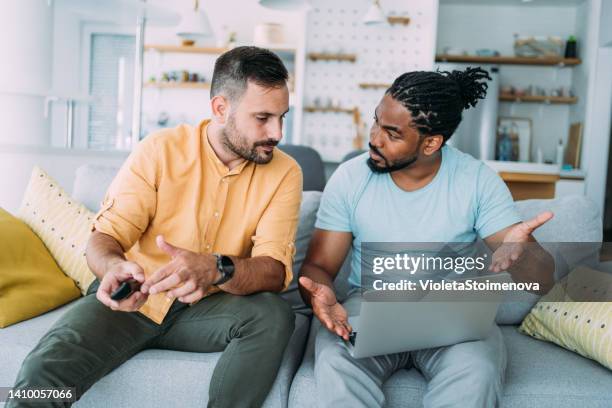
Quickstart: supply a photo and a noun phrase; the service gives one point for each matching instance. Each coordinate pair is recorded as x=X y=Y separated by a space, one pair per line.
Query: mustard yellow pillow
x=584 y=327
x=62 y=224
x=31 y=283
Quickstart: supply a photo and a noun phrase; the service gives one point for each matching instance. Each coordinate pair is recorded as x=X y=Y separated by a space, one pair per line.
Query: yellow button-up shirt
x=174 y=185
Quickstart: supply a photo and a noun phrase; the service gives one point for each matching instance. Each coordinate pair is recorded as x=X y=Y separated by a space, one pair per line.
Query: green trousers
x=90 y=340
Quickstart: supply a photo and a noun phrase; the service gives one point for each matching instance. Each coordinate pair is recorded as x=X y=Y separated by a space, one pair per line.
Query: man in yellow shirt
x=203 y=219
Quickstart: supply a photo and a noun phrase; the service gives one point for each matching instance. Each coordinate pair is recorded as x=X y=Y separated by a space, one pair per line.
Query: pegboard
x=382 y=53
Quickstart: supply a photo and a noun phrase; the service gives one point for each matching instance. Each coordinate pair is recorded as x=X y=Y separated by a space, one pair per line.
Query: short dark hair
x=234 y=68
x=437 y=99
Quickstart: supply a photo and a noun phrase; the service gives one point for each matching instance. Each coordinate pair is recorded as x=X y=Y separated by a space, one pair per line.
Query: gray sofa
x=156 y=378
x=539 y=374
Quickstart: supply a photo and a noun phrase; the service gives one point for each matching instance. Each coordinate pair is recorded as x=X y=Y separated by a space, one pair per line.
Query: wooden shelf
x=178 y=85
x=184 y=49
x=328 y=110
x=538 y=99
x=398 y=20
x=508 y=60
x=373 y=85
x=315 y=56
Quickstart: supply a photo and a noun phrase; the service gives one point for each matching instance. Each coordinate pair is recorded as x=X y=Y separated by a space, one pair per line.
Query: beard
x=237 y=143
x=389 y=167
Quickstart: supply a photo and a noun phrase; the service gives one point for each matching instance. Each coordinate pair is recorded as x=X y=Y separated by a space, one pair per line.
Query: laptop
x=426 y=320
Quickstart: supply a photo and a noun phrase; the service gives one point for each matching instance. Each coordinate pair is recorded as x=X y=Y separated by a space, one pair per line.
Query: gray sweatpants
x=467 y=374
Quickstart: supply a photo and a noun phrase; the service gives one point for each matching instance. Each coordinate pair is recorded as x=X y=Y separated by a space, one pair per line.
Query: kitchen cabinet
x=542 y=181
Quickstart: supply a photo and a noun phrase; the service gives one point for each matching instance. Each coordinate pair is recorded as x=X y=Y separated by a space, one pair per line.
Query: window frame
x=88 y=30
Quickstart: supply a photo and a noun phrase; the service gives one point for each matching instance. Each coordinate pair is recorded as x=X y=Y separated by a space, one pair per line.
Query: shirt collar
x=211 y=156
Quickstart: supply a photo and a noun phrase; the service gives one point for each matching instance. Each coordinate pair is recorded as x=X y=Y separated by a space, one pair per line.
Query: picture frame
x=519 y=131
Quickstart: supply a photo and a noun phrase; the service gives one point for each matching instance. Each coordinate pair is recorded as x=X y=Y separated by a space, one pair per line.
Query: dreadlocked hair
x=436 y=100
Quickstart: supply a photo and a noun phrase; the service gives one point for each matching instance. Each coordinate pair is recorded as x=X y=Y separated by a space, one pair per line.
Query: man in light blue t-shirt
x=412 y=187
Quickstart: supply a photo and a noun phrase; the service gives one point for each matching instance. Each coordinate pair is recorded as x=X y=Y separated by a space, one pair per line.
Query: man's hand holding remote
x=116 y=274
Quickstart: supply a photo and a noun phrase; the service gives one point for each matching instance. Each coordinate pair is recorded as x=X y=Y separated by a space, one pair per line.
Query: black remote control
x=125 y=289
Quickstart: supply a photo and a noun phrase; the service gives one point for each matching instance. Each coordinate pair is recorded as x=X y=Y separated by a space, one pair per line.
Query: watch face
x=228 y=264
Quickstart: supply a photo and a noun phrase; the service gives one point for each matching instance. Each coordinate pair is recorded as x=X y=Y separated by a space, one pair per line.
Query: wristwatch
x=225 y=266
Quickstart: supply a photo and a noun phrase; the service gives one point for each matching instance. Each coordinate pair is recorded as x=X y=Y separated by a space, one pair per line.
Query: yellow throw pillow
x=63 y=225
x=584 y=327
x=31 y=283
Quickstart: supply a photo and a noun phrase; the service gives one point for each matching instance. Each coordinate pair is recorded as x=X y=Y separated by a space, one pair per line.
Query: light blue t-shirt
x=465 y=200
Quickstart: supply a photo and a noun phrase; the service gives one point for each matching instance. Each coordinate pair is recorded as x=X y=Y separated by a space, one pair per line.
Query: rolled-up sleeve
x=275 y=233
x=130 y=201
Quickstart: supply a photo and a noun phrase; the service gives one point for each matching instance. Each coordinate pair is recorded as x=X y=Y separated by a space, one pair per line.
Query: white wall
x=471 y=27
x=594 y=84
x=475 y=26
x=25 y=73
x=61 y=164
x=597 y=129
x=586 y=34
x=67 y=64
x=605 y=35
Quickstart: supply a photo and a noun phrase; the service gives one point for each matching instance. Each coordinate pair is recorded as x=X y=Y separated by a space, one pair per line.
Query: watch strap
x=226 y=273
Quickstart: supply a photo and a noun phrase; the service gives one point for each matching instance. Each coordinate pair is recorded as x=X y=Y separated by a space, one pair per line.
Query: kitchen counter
x=534 y=168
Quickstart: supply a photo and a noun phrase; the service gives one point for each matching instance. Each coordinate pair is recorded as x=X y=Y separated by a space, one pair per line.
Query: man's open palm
x=515 y=240
x=325 y=306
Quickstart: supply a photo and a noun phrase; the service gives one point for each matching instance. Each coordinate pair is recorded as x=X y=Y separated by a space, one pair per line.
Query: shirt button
x=216 y=213
x=207 y=246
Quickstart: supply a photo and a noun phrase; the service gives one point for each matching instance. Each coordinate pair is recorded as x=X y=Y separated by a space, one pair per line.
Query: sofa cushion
x=538 y=375
x=90 y=184
x=308 y=215
x=17 y=340
x=576 y=220
x=134 y=383
x=31 y=283
x=92 y=181
x=584 y=326
x=543 y=375
x=61 y=222
x=311 y=163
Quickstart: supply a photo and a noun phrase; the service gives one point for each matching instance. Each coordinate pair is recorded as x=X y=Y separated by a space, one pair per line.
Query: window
x=111 y=79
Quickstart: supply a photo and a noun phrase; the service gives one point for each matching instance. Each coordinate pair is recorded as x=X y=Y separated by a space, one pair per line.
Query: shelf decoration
x=315 y=56
x=373 y=85
x=329 y=109
x=507 y=97
x=403 y=20
x=509 y=60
